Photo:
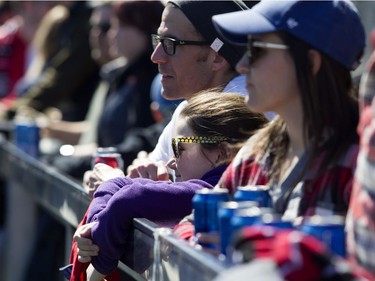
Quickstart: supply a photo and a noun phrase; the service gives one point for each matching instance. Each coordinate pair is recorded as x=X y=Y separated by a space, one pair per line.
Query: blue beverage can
x=27 y=136
x=215 y=197
x=247 y=217
x=200 y=213
x=328 y=229
x=205 y=204
x=257 y=193
x=226 y=212
x=274 y=220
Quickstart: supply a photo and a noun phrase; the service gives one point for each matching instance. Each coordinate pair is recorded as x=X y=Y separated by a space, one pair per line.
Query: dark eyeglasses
x=255 y=49
x=194 y=139
x=104 y=27
x=169 y=44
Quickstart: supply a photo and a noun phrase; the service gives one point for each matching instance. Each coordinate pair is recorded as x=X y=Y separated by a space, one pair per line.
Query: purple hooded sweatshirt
x=118 y=201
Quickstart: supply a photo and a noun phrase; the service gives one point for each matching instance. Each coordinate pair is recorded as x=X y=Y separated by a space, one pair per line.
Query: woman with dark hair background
x=127 y=102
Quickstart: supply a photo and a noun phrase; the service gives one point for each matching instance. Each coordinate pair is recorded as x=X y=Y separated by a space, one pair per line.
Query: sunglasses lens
x=175 y=148
x=254 y=52
x=104 y=27
x=257 y=52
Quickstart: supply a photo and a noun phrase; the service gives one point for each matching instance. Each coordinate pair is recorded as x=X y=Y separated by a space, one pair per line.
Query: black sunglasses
x=194 y=139
x=169 y=44
x=104 y=27
x=256 y=49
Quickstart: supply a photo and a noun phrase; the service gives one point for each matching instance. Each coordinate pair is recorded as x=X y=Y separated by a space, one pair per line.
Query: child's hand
x=101 y=172
x=85 y=248
x=149 y=169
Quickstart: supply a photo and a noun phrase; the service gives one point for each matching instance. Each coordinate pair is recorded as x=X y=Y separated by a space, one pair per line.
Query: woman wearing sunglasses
x=209 y=133
x=298 y=63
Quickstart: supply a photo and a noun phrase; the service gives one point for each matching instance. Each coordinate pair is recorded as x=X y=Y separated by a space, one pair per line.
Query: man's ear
x=218 y=62
x=315 y=60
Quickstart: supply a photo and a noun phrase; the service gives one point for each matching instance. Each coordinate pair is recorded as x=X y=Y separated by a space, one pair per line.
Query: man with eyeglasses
x=191 y=57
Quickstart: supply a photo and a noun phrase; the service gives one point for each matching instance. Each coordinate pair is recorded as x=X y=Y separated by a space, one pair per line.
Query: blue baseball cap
x=332 y=27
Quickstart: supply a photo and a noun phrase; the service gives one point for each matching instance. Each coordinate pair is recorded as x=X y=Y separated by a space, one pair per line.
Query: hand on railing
x=85 y=248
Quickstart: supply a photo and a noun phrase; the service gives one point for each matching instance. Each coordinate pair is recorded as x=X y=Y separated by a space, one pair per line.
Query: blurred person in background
x=139 y=139
x=82 y=132
x=21 y=21
x=5 y=11
x=62 y=64
x=100 y=22
x=126 y=102
x=64 y=75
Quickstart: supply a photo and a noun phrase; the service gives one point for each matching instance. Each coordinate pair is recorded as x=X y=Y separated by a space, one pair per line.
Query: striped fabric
x=325 y=194
x=361 y=215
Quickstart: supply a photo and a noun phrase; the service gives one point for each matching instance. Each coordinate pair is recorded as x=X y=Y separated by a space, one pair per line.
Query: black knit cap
x=200 y=15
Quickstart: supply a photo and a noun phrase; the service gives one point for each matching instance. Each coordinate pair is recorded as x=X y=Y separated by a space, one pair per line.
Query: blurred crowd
x=191 y=96
x=82 y=71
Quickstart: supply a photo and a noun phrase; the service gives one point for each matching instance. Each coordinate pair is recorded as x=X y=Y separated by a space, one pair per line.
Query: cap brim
x=236 y=26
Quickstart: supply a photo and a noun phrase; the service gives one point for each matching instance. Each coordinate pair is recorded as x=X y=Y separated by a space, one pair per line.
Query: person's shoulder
x=9 y=29
x=111 y=68
x=237 y=85
x=179 y=108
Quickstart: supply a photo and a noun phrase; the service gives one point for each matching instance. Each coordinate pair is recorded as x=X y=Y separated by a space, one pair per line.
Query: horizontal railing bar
x=62 y=196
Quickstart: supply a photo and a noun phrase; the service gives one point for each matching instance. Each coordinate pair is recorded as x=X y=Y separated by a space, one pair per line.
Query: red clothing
x=361 y=215
x=79 y=268
x=297 y=256
x=12 y=60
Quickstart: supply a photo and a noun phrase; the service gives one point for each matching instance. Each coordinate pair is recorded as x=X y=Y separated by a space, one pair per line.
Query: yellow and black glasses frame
x=195 y=139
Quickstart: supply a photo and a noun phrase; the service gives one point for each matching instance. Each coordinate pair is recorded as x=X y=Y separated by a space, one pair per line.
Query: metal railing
x=31 y=184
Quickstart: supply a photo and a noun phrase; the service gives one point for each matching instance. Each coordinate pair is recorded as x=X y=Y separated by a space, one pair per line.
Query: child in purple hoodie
x=210 y=131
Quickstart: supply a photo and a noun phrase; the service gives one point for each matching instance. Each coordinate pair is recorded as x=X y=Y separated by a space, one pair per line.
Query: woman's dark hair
x=329 y=106
x=144 y=15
